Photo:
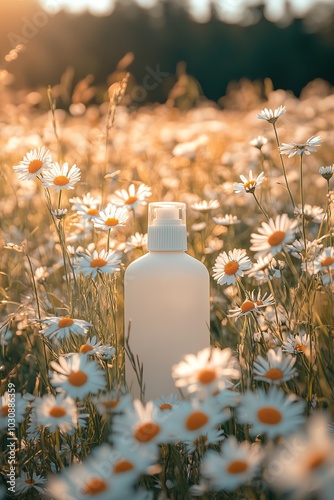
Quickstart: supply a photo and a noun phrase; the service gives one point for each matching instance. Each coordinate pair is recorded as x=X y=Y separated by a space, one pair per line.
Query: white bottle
x=166 y=302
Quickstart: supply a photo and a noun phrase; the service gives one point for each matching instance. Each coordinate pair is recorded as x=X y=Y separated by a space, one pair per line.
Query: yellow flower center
x=146 y=432
x=249 y=185
x=95 y=486
x=64 y=322
x=78 y=378
x=98 y=262
x=237 y=467
x=57 y=412
x=247 y=306
x=30 y=481
x=196 y=420
x=86 y=348
x=110 y=404
x=299 y=348
x=61 y=180
x=316 y=460
x=327 y=262
x=122 y=466
x=276 y=238
x=231 y=267
x=111 y=221
x=4 y=411
x=274 y=374
x=34 y=166
x=206 y=376
x=269 y=415
x=131 y=200
x=92 y=211
x=165 y=407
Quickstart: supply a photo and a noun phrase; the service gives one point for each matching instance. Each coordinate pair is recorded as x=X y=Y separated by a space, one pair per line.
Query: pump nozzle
x=167 y=226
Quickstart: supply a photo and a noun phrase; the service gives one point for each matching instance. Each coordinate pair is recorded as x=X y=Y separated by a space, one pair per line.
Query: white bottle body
x=167 y=301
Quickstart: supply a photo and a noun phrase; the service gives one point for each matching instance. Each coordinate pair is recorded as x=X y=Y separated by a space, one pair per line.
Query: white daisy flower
x=297 y=248
x=276 y=369
x=101 y=351
x=212 y=437
x=77 y=376
x=325 y=261
x=249 y=184
x=274 y=414
x=271 y=116
x=61 y=328
x=193 y=419
x=56 y=412
x=236 y=464
x=26 y=482
x=274 y=234
x=86 y=202
x=307 y=147
x=131 y=198
x=303 y=466
x=34 y=163
x=167 y=404
x=115 y=401
x=136 y=240
x=311 y=213
x=229 y=266
x=60 y=178
x=209 y=370
x=94 y=263
x=59 y=213
x=327 y=172
x=251 y=305
x=111 y=217
x=139 y=425
x=226 y=220
x=297 y=344
x=89 y=213
x=205 y=206
x=258 y=142
x=199 y=226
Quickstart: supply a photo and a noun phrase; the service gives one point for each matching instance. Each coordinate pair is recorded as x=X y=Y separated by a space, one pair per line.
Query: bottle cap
x=167 y=226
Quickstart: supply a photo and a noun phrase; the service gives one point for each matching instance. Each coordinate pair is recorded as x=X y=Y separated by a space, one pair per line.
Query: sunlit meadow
x=254 y=417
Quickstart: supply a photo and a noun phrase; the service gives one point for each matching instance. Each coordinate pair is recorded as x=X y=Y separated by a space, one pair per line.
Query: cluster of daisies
x=240 y=421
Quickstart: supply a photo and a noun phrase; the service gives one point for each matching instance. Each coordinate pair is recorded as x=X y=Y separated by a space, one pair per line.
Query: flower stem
x=260 y=206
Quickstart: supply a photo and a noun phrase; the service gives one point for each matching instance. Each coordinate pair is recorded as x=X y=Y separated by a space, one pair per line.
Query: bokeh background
x=285 y=43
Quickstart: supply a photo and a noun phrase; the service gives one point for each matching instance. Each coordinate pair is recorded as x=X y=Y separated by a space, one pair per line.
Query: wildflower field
x=252 y=415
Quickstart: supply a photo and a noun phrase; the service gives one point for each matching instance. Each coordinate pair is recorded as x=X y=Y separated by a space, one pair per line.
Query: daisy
x=204 y=206
x=251 y=305
x=229 y=266
x=87 y=201
x=303 y=466
x=236 y=464
x=136 y=240
x=26 y=482
x=13 y=405
x=259 y=267
x=131 y=198
x=193 y=419
x=307 y=147
x=325 y=261
x=61 y=328
x=59 y=213
x=274 y=234
x=101 y=351
x=297 y=344
x=207 y=371
x=56 y=412
x=34 y=164
x=77 y=376
x=167 y=404
x=139 y=425
x=226 y=220
x=276 y=369
x=297 y=248
x=115 y=401
x=212 y=437
x=274 y=414
x=311 y=213
x=248 y=185
x=271 y=116
x=60 y=178
x=327 y=172
x=89 y=213
x=258 y=142
x=94 y=263
x=111 y=217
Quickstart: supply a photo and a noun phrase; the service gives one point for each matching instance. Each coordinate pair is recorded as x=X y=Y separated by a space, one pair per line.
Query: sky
x=229 y=10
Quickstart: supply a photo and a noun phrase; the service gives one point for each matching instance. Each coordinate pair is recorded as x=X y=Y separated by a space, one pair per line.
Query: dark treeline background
x=216 y=53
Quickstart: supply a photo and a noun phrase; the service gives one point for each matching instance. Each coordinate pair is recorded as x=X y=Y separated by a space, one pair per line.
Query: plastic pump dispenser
x=167 y=302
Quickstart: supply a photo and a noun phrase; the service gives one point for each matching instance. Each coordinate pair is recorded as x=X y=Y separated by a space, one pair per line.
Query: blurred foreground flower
x=307 y=147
